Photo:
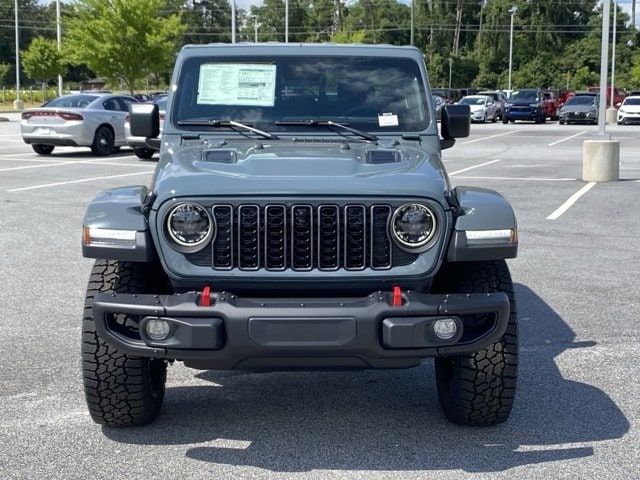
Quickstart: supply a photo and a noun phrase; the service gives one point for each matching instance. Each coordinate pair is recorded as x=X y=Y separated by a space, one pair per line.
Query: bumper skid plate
x=275 y=333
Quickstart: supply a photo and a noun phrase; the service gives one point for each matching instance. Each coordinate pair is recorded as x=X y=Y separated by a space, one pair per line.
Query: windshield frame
x=237 y=55
x=572 y=102
x=534 y=96
x=91 y=97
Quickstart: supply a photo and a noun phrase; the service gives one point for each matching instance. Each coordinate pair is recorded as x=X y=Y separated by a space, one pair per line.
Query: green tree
x=207 y=21
x=344 y=36
x=5 y=68
x=271 y=20
x=42 y=60
x=383 y=21
x=123 y=40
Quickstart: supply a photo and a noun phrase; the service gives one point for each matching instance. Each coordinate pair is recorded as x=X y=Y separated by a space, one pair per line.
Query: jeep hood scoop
x=292 y=169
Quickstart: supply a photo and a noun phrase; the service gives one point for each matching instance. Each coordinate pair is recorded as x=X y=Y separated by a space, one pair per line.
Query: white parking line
x=490 y=136
x=34 y=160
x=570 y=201
x=62 y=150
x=568 y=138
x=532 y=179
x=58 y=164
x=472 y=168
x=82 y=180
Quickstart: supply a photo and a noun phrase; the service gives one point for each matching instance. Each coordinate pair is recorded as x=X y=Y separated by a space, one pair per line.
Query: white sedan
x=483 y=108
x=629 y=111
x=93 y=120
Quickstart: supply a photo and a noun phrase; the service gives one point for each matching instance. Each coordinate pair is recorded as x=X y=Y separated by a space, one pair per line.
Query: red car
x=618 y=95
x=551 y=103
x=565 y=95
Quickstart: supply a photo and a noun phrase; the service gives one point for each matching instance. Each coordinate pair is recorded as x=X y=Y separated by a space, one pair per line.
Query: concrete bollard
x=18 y=105
x=601 y=161
x=612 y=115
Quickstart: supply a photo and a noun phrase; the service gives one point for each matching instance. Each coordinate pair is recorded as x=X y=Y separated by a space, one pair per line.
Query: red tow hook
x=396 y=299
x=205 y=297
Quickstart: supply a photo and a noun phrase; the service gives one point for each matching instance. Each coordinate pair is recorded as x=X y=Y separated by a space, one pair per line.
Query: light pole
x=412 y=20
x=512 y=11
x=17 y=105
x=613 y=49
x=59 y=35
x=450 y=71
x=286 y=21
x=233 y=21
x=604 y=64
x=255 y=28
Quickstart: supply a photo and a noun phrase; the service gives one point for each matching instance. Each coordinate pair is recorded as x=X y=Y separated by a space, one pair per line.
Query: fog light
x=445 y=328
x=157 y=329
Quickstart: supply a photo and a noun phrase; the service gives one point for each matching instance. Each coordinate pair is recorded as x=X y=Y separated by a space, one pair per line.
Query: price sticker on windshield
x=237 y=84
x=388 y=119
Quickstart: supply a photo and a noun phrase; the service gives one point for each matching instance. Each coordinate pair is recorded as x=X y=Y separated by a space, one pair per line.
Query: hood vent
x=219 y=156
x=376 y=157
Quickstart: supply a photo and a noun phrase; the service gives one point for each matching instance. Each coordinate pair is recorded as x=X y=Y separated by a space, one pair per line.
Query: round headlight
x=189 y=226
x=413 y=225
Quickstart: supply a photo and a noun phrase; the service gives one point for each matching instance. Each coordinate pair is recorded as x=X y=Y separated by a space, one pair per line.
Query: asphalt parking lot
x=578 y=407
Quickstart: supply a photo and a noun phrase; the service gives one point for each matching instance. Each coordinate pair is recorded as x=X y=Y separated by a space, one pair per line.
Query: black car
x=525 y=104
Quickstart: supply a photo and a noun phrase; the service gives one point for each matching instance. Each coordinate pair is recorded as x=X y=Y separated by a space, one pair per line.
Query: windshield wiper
x=228 y=124
x=327 y=123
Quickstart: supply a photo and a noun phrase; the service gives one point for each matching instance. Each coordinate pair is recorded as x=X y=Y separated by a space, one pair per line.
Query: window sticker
x=237 y=84
x=388 y=119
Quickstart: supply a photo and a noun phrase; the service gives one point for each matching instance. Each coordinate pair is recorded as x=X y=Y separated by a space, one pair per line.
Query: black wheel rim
x=104 y=140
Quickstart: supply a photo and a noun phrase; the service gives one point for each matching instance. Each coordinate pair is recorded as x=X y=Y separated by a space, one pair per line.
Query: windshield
x=367 y=93
x=526 y=95
x=472 y=101
x=72 y=101
x=632 y=101
x=582 y=100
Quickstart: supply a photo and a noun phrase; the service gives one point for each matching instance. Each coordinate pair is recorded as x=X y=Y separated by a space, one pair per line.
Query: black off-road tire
x=505 y=120
x=143 y=153
x=121 y=390
x=479 y=389
x=41 y=149
x=103 y=142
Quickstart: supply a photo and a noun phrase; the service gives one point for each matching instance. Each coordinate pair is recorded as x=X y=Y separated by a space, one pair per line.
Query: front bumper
x=629 y=117
x=136 y=142
x=522 y=113
x=301 y=333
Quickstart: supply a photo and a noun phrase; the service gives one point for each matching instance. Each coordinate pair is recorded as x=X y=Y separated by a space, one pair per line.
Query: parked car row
x=538 y=106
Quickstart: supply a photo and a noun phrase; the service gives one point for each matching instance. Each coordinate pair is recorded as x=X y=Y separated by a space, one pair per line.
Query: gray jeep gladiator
x=300 y=217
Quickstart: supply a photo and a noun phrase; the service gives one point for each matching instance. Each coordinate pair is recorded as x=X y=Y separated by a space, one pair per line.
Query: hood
x=476 y=108
x=300 y=168
x=578 y=108
x=523 y=103
x=630 y=108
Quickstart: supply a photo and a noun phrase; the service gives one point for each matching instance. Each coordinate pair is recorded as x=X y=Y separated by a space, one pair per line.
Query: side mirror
x=456 y=121
x=145 y=120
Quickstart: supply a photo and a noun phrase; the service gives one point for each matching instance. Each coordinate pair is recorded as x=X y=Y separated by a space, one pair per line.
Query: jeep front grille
x=301 y=237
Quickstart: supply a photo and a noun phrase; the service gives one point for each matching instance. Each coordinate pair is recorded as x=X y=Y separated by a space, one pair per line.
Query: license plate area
x=302 y=332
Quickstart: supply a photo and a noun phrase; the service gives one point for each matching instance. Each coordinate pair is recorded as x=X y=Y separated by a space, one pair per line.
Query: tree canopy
x=42 y=60
x=123 y=40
